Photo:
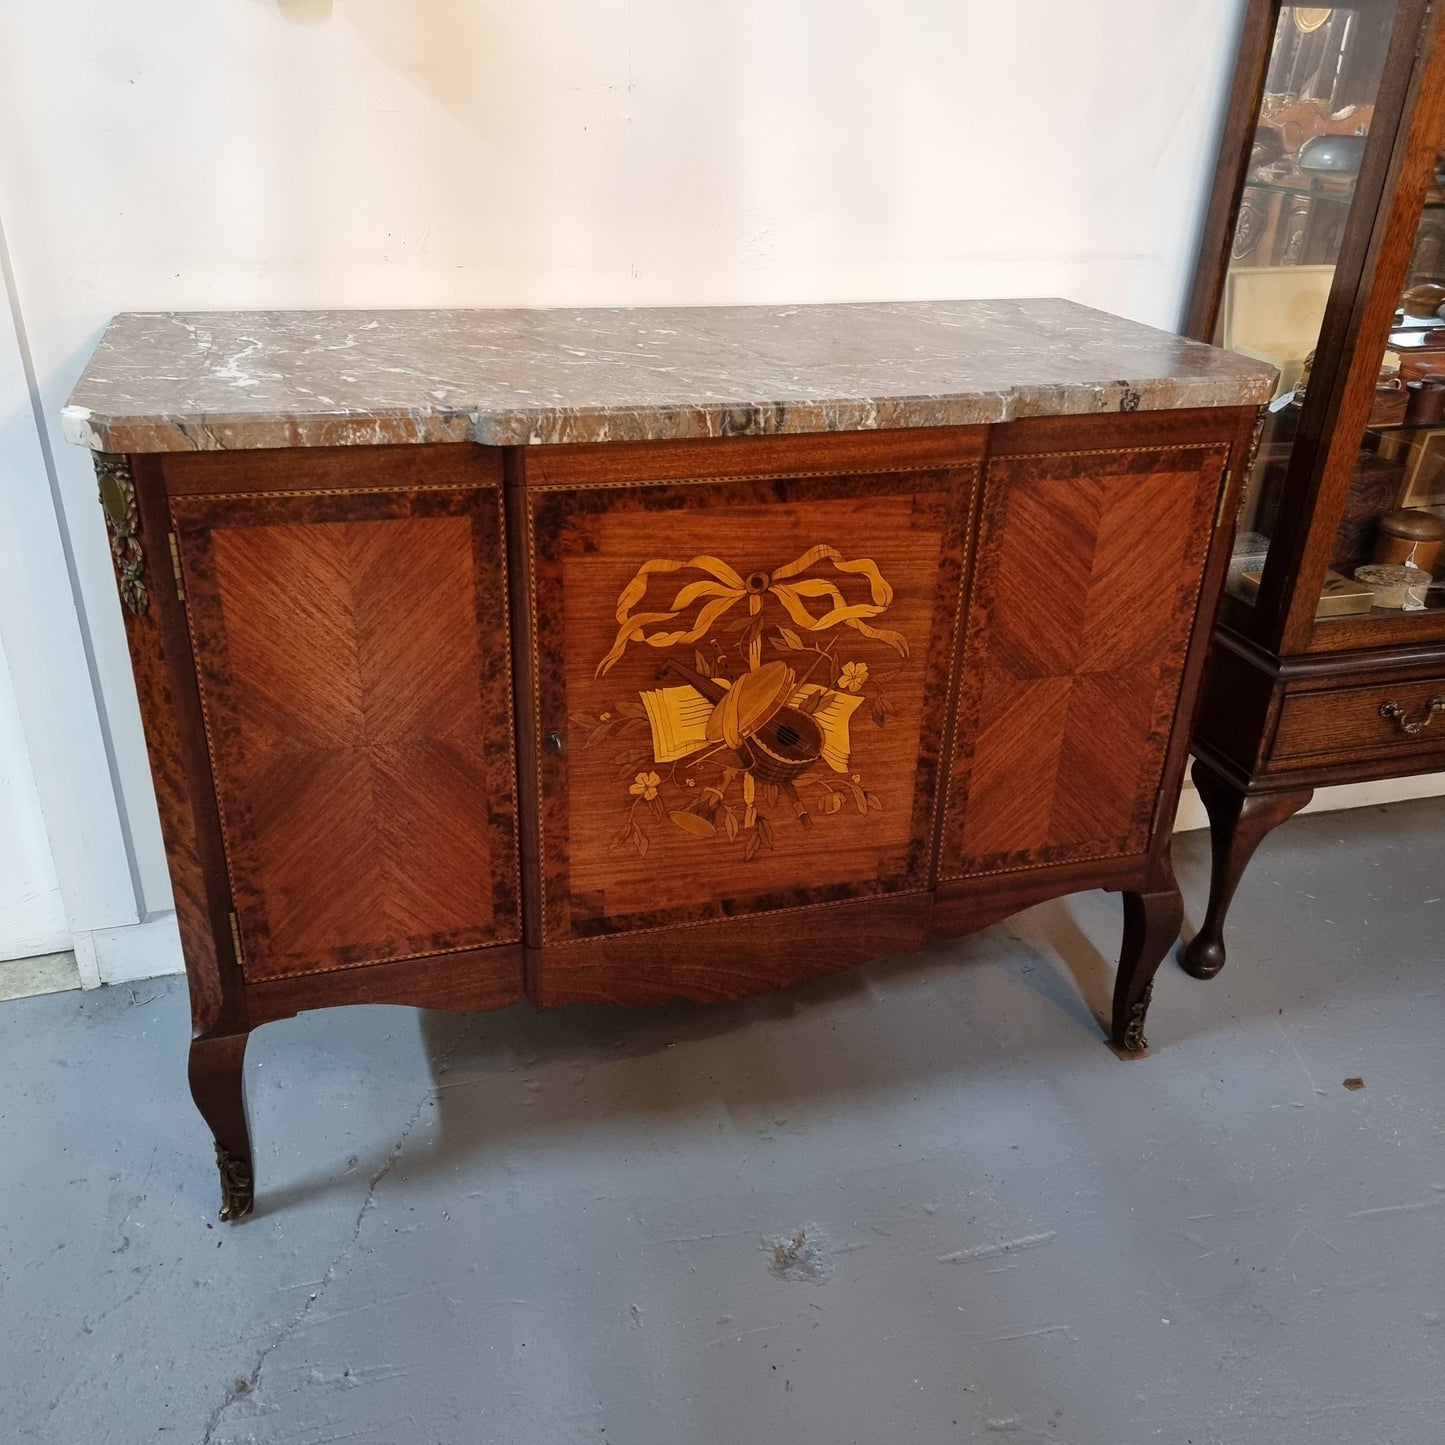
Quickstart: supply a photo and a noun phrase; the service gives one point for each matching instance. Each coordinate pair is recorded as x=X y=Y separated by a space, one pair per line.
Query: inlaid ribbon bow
x=723 y=588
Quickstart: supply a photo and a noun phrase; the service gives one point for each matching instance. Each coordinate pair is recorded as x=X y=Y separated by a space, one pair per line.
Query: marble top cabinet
x=627 y=655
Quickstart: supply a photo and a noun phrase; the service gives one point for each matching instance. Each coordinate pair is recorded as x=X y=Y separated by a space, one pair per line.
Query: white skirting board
x=125 y=955
x=1191 y=812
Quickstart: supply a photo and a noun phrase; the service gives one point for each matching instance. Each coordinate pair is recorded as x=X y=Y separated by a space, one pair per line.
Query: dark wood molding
x=1236 y=138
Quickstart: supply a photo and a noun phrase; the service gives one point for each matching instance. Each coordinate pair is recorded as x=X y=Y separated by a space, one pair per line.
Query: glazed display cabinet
x=627 y=656
x=1324 y=253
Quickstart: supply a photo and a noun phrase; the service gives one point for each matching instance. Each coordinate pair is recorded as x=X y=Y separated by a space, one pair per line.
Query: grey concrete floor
x=920 y=1202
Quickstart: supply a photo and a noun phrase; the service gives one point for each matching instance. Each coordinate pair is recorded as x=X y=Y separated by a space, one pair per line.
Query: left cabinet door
x=348 y=619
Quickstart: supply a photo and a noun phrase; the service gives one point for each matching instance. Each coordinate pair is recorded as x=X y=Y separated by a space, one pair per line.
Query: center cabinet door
x=348 y=614
x=740 y=655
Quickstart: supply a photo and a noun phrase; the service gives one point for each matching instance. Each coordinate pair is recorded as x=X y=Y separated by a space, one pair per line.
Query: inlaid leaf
x=692 y=823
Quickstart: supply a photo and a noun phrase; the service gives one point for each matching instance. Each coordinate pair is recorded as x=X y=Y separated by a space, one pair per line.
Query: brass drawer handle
x=1394 y=710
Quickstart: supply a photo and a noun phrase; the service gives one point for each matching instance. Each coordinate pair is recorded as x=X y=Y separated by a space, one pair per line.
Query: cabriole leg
x=1151 y=925
x=218 y=1088
x=1238 y=824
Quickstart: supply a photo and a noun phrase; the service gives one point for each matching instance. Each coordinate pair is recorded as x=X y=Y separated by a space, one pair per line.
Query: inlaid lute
x=777 y=741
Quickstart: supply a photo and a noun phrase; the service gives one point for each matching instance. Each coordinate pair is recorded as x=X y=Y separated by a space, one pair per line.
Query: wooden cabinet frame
x=1270 y=655
x=500 y=593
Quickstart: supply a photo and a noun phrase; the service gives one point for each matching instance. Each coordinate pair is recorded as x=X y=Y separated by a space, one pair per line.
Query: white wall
x=170 y=154
x=64 y=762
x=32 y=916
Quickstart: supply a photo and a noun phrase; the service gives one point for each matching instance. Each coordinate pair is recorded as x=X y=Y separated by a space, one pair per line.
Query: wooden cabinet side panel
x=161 y=662
x=1086 y=583
x=353 y=654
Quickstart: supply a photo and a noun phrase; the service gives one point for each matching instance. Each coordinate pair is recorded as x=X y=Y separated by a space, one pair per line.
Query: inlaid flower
x=855 y=674
x=645 y=786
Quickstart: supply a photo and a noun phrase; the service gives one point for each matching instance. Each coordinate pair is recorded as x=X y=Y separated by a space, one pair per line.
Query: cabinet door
x=348 y=617
x=1087 y=579
x=741 y=681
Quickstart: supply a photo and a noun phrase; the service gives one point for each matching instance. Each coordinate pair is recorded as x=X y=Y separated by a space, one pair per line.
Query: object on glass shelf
x=1339 y=597
x=1303 y=380
x=1427 y=400
x=1423 y=300
x=1418 y=350
x=1396 y=588
x=1332 y=154
x=1391 y=401
x=1273 y=313
x=1251 y=550
x=1374 y=490
x=1422 y=455
x=1410 y=538
x=1268 y=148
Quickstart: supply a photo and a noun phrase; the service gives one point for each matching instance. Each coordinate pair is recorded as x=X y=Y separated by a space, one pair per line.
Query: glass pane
x=1394 y=521
x=1324 y=72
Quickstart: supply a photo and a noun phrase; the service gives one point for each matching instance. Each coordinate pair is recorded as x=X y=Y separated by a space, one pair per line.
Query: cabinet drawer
x=1377 y=719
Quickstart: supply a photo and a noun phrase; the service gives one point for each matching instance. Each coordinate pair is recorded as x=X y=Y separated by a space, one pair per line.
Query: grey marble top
x=204 y=381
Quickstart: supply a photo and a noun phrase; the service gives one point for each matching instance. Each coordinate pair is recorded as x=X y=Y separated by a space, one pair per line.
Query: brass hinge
x=236 y=942
x=176 y=568
x=1219 y=511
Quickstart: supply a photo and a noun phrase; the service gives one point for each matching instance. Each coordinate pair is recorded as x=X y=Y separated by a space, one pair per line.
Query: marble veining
x=208 y=381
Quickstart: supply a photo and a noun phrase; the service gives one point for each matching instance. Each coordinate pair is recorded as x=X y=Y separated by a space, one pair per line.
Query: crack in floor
x=246 y=1385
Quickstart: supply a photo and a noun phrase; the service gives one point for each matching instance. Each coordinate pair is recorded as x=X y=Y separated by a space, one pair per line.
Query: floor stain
x=800 y=1256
